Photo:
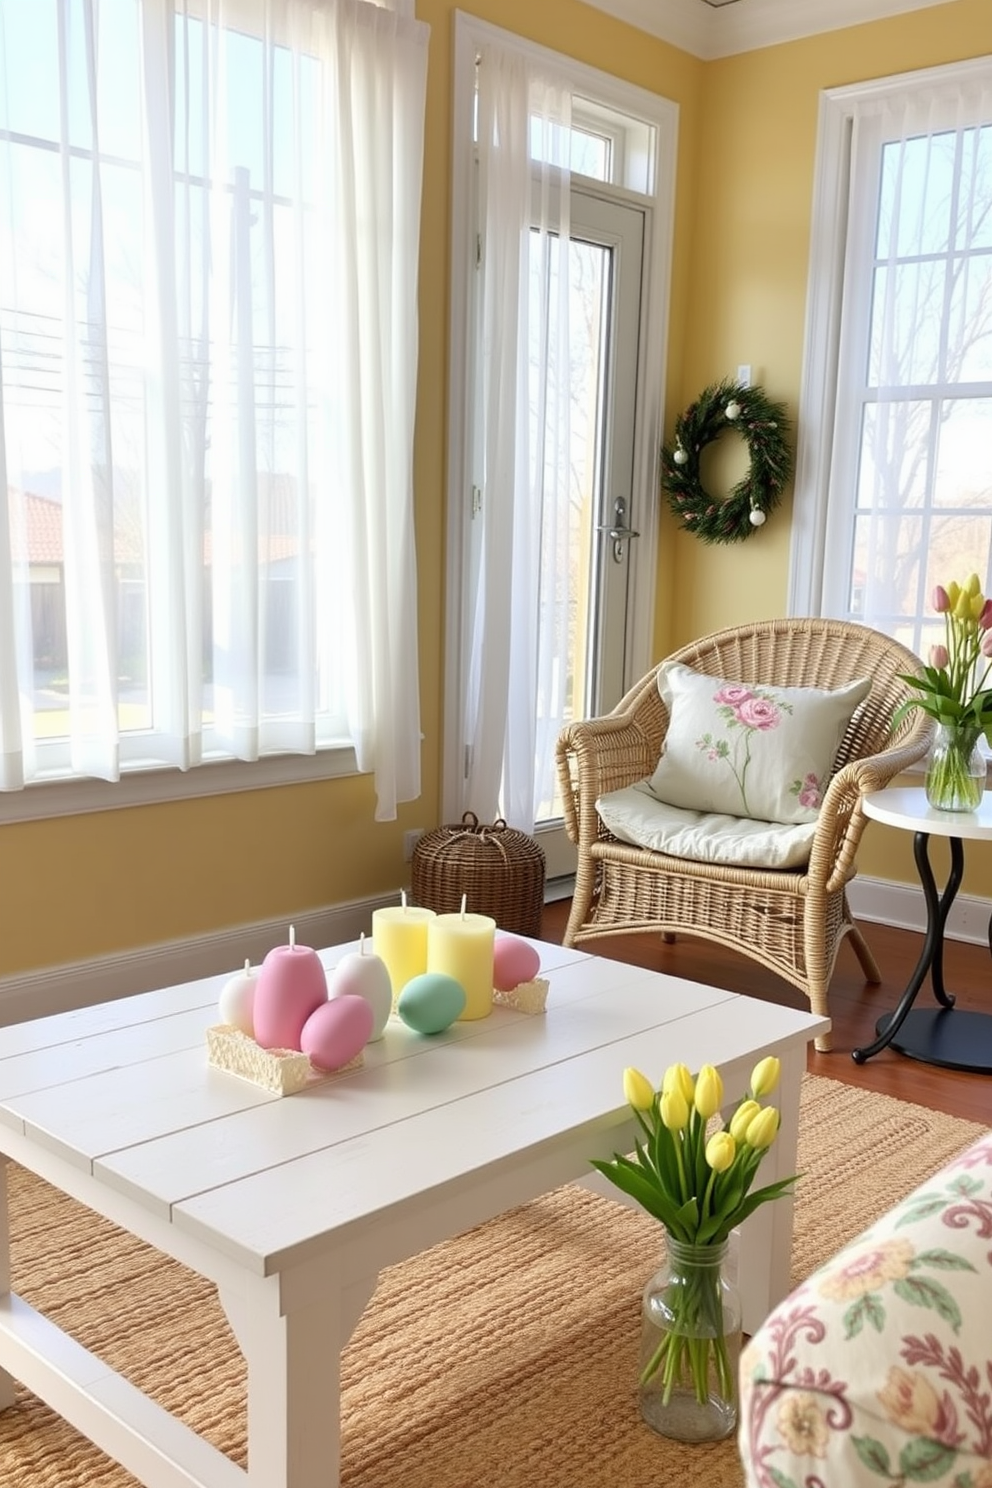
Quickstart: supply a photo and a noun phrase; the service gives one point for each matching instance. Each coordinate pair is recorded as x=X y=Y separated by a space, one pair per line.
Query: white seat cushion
x=636 y=816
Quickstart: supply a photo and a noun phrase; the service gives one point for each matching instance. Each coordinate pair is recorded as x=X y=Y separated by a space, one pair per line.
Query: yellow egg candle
x=461 y=946
x=399 y=938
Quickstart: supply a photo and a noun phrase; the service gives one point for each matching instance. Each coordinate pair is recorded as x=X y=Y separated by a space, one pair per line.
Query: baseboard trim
x=887 y=903
x=57 y=989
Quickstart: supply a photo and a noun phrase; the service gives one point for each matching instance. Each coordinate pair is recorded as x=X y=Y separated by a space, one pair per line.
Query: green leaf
x=922 y=1292
x=866 y=1311
x=751 y=1202
x=688 y=1215
x=632 y=1179
x=923 y=1208
x=944 y=1260
x=924 y=1460
x=873 y=1455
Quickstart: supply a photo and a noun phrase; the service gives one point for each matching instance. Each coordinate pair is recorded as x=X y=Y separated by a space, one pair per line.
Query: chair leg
x=863 y=952
x=819 y=1007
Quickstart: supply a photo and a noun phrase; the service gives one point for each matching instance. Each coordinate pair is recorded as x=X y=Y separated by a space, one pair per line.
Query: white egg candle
x=364 y=974
x=461 y=946
x=399 y=937
x=237 y=999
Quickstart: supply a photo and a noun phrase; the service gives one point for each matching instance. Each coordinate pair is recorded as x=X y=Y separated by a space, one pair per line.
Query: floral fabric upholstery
x=878 y=1369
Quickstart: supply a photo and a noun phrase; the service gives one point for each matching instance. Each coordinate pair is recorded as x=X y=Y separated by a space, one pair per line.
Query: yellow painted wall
x=86 y=886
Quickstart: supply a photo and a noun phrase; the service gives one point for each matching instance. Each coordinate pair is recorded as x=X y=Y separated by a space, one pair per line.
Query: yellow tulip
x=962 y=610
x=709 y=1092
x=742 y=1118
x=674 y=1109
x=763 y=1130
x=953 y=592
x=720 y=1151
x=638 y=1090
x=977 y=604
x=677 y=1077
x=764 y=1076
x=974 y=585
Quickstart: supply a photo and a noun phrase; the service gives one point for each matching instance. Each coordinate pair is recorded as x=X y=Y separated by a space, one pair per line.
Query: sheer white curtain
x=208 y=343
x=521 y=424
x=909 y=503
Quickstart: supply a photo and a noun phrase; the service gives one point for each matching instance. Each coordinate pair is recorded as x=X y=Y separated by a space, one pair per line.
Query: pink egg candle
x=291 y=985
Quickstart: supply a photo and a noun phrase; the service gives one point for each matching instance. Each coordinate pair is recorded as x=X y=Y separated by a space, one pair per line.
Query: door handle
x=619 y=532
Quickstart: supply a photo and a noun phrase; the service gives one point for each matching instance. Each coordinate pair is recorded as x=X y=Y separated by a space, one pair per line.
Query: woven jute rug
x=505 y=1358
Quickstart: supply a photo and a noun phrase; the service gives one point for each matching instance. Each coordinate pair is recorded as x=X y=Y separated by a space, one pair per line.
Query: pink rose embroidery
x=808 y=792
x=732 y=694
x=758 y=713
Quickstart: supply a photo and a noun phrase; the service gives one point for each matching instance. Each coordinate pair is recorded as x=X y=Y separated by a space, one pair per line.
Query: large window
x=894 y=479
x=209 y=220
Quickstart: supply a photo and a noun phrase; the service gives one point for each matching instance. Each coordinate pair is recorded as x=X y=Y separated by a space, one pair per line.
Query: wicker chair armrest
x=842 y=820
x=597 y=755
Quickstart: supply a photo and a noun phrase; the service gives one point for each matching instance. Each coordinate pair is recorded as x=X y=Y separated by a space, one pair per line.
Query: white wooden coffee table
x=292 y=1205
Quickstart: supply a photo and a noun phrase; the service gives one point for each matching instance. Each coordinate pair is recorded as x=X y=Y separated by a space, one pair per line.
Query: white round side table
x=943 y=1035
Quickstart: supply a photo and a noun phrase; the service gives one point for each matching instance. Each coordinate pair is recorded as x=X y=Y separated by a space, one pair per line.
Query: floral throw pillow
x=749 y=749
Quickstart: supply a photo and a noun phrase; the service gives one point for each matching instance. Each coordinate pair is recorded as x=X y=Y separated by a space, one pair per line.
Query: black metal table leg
x=932 y=955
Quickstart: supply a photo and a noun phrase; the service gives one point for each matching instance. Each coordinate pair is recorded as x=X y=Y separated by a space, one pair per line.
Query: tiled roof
x=40 y=530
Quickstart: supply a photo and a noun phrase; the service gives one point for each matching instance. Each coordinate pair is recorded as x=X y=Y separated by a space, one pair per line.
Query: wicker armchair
x=791 y=921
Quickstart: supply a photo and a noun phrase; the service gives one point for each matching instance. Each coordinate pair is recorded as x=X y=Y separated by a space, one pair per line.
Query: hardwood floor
x=854 y=1005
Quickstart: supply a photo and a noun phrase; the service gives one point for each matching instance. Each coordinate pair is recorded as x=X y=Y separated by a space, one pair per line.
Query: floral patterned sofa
x=878 y=1369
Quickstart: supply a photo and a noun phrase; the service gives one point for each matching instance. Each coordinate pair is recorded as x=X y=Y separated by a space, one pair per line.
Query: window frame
x=819 y=536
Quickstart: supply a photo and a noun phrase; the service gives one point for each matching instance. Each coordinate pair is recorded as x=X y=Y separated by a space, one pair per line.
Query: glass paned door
x=589 y=533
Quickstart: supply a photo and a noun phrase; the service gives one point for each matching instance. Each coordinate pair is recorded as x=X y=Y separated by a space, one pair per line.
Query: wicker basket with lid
x=499 y=870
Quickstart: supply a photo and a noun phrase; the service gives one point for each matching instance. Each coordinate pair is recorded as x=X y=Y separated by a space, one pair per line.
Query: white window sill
x=146 y=787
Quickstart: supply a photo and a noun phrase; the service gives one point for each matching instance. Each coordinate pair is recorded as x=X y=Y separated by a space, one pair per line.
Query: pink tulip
x=985 y=618
x=939 y=657
x=940 y=600
x=986 y=645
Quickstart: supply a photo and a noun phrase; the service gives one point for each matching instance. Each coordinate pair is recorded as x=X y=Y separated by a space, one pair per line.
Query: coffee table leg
x=6 y=1379
x=291 y=1329
x=765 y=1239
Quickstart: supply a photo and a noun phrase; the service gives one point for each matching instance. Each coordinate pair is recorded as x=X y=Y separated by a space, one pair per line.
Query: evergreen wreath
x=764 y=425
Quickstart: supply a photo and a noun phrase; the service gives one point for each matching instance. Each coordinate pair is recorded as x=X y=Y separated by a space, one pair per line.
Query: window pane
x=964 y=455
x=886 y=572
x=908 y=306
x=969 y=320
x=893 y=468
x=29 y=31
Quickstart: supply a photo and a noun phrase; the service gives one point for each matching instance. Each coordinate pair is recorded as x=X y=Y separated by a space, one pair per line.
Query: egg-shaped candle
x=514 y=961
x=363 y=974
x=336 y=1031
x=291 y=985
x=461 y=946
x=430 y=1003
x=236 y=1004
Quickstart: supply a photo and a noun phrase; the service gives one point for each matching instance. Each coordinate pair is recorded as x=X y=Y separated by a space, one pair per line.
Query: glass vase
x=955 y=777
x=690 y=1345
